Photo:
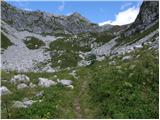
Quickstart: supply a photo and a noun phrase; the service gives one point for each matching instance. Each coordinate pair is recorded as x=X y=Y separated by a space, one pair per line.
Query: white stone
x=20 y=78
x=4 y=90
x=19 y=104
x=65 y=82
x=22 y=86
x=39 y=94
x=28 y=103
x=44 y=82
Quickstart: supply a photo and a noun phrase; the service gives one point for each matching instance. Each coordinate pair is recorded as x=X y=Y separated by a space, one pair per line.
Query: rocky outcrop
x=149 y=13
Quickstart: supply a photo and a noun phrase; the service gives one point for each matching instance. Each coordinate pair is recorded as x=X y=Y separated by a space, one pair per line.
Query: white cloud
x=123 y=17
x=61 y=7
x=125 y=5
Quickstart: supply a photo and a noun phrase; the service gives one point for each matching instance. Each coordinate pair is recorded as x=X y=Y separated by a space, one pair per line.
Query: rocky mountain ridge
x=45 y=23
x=148 y=15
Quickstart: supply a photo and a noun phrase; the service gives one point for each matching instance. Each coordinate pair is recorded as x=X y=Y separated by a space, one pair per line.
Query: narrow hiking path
x=77 y=104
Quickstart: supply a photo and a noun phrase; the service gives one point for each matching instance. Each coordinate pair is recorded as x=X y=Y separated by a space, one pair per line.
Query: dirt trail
x=77 y=104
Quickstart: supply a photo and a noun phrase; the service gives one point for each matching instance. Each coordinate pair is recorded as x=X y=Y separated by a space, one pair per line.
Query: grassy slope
x=125 y=90
x=71 y=46
x=5 y=42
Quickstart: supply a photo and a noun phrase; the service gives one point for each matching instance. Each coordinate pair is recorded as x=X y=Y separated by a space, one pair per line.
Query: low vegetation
x=34 y=43
x=5 y=42
x=127 y=89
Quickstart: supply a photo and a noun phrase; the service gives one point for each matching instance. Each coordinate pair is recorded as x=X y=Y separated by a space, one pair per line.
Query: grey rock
x=149 y=13
x=41 y=22
x=19 y=104
x=22 y=86
x=39 y=94
x=4 y=90
x=20 y=78
x=28 y=103
x=65 y=82
x=44 y=82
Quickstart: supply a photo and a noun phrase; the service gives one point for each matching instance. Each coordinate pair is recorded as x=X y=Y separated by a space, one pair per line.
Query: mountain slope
x=97 y=74
x=45 y=23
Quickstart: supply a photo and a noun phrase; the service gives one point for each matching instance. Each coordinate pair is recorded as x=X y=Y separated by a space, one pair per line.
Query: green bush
x=34 y=43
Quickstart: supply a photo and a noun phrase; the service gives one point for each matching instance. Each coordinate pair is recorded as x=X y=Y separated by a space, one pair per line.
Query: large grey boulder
x=20 y=78
x=4 y=90
x=44 y=82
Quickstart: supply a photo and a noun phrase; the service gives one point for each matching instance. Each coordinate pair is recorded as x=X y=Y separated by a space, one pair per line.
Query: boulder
x=39 y=94
x=19 y=104
x=4 y=90
x=22 y=86
x=20 y=78
x=65 y=82
x=28 y=103
x=44 y=82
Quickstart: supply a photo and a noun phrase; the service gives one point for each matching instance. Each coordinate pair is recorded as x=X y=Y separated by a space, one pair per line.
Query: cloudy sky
x=101 y=12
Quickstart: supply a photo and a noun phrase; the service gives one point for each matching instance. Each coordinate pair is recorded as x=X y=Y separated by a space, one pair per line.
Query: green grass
x=5 y=42
x=34 y=43
x=127 y=91
x=70 y=47
x=104 y=37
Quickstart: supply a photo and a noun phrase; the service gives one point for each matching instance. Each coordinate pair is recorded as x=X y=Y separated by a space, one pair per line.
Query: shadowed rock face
x=41 y=22
x=149 y=13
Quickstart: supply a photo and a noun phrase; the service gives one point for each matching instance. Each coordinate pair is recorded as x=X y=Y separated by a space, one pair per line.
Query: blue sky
x=103 y=12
